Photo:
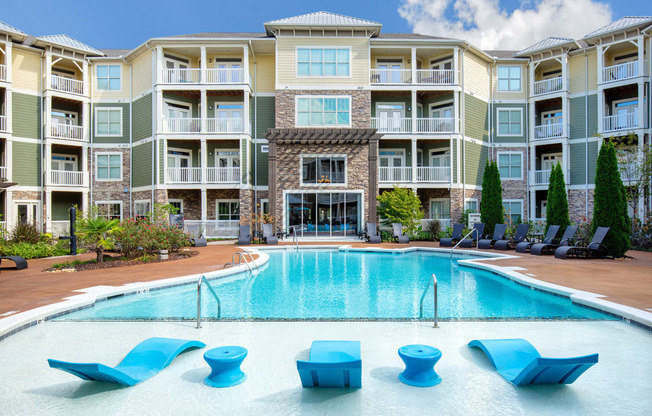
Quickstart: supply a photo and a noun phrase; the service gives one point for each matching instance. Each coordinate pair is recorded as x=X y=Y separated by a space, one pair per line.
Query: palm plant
x=97 y=234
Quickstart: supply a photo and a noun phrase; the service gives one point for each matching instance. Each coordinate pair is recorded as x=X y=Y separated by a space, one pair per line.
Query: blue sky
x=128 y=23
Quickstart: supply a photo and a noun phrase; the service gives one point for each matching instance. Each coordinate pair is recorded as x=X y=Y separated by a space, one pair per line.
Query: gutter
x=586 y=136
x=154 y=124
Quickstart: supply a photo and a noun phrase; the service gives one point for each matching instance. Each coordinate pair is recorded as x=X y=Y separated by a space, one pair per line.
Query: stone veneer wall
x=576 y=205
x=112 y=190
x=517 y=189
x=426 y=194
x=285 y=106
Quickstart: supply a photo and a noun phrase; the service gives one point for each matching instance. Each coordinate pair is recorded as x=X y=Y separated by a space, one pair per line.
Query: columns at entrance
x=373 y=177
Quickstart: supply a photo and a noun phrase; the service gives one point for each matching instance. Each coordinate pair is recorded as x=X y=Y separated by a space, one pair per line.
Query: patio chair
x=549 y=248
x=268 y=234
x=144 y=361
x=519 y=237
x=244 y=235
x=455 y=236
x=332 y=364
x=371 y=235
x=520 y=363
x=397 y=233
x=499 y=233
x=594 y=249
x=524 y=246
x=20 y=262
x=472 y=240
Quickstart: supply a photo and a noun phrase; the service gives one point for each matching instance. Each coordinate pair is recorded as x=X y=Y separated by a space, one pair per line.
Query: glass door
x=390 y=73
x=440 y=209
x=626 y=112
x=390 y=117
x=229 y=73
x=64 y=162
x=178 y=162
x=392 y=162
x=440 y=159
x=229 y=118
x=26 y=212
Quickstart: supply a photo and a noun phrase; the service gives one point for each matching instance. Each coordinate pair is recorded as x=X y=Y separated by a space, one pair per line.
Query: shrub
x=25 y=233
x=557 y=209
x=31 y=251
x=400 y=205
x=491 y=203
x=431 y=226
x=95 y=232
x=642 y=233
x=136 y=238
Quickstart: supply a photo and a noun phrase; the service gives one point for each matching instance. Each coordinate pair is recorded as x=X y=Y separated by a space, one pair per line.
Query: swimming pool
x=332 y=284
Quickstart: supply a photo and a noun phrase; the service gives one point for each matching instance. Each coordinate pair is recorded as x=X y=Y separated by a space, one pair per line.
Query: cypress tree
x=557 y=209
x=491 y=204
x=610 y=203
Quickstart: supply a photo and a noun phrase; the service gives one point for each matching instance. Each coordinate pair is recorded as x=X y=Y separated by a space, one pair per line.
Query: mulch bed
x=111 y=262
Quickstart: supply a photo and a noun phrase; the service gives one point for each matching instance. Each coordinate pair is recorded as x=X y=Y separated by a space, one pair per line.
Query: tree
x=491 y=203
x=400 y=205
x=96 y=232
x=557 y=208
x=610 y=203
x=635 y=167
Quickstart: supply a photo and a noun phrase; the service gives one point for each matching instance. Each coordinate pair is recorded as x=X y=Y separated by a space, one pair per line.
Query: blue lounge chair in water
x=332 y=364
x=520 y=363
x=143 y=362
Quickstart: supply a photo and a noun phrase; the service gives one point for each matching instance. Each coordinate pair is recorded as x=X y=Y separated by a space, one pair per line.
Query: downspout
x=154 y=124
x=586 y=135
x=91 y=133
x=528 y=197
x=463 y=125
x=491 y=109
x=255 y=132
x=42 y=140
x=131 y=139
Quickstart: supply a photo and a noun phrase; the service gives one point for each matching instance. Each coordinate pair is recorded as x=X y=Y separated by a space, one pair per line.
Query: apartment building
x=309 y=120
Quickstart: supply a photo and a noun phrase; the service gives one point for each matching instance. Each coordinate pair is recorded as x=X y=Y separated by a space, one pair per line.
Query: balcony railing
x=3 y=72
x=395 y=174
x=67 y=178
x=618 y=122
x=390 y=76
x=3 y=123
x=434 y=174
x=541 y=177
x=225 y=76
x=622 y=71
x=181 y=75
x=66 y=85
x=435 y=125
x=225 y=125
x=3 y=172
x=223 y=175
x=392 y=125
x=547 y=86
x=67 y=131
x=182 y=125
x=436 y=76
x=58 y=228
x=213 y=228
x=184 y=175
x=548 y=131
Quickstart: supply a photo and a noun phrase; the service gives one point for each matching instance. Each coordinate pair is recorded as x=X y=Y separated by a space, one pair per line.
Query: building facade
x=308 y=121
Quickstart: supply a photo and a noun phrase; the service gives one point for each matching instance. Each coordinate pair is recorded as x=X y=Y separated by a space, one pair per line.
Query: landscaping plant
x=557 y=208
x=96 y=232
x=491 y=204
x=400 y=205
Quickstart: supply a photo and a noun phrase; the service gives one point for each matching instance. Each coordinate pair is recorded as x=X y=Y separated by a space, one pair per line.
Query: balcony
x=182 y=125
x=435 y=125
x=66 y=178
x=223 y=175
x=549 y=131
x=225 y=76
x=67 y=131
x=3 y=72
x=434 y=174
x=622 y=71
x=548 y=86
x=225 y=125
x=404 y=77
x=620 y=122
x=183 y=175
x=3 y=123
x=403 y=125
x=3 y=172
x=541 y=177
x=194 y=175
x=68 y=85
x=395 y=174
x=181 y=76
x=211 y=76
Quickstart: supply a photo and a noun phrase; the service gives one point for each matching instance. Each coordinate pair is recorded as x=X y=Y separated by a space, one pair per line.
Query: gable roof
x=501 y=53
x=545 y=44
x=622 y=23
x=220 y=35
x=321 y=19
x=7 y=28
x=67 y=42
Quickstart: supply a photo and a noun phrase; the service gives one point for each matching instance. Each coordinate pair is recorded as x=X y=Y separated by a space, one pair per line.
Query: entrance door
x=390 y=117
x=440 y=209
x=390 y=73
x=177 y=161
x=26 y=212
x=442 y=112
x=626 y=111
x=229 y=118
x=64 y=162
x=392 y=163
x=549 y=160
x=230 y=73
x=440 y=159
x=227 y=161
x=544 y=205
x=175 y=73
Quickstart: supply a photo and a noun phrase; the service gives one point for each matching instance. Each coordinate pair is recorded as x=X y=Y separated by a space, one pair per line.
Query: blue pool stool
x=225 y=366
x=420 y=363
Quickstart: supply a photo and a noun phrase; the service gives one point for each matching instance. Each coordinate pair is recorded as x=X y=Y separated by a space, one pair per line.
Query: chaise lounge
x=397 y=234
x=594 y=249
x=499 y=234
x=472 y=240
x=454 y=238
x=244 y=235
x=371 y=235
x=539 y=249
x=524 y=246
x=519 y=237
x=332 y=364
x=268 y=234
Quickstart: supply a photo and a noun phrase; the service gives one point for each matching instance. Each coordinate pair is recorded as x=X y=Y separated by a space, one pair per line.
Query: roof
x=622 y=23
x=321 y=136
x=9 y=28
x=501 y=54
x=321 y=19
x=68 y=42
x=408 y=36
x=115 y=53
x=217 y=35
x=546 y=44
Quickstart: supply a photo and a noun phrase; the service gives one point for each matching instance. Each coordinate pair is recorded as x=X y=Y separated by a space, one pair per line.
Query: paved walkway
x=628 y=282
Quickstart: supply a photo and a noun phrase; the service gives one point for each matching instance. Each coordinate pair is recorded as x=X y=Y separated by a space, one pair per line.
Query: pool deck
x=628 y=282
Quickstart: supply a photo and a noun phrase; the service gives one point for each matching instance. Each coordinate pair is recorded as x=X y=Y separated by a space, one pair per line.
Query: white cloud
x=487 y=25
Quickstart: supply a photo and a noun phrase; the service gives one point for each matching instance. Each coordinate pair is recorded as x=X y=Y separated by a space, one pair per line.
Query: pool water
x=331 y=284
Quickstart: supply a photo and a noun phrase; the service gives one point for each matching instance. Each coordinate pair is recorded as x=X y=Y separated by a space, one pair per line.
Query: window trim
x=431 y=200
x=141 y=201
x=121 y=121
x=403 y=107
x=180 y=201
x=521 y=201
x=324 y=156
x=310 y=47
x=296 y=112
x=445 y=150
x=119 y=65
x=227 y=200
x=98 y=203
x=510 y=153
x=97 y=179
x=264 y=148
x=477 y=204
x=498 y=78
x=508 y=109
x=401 y=153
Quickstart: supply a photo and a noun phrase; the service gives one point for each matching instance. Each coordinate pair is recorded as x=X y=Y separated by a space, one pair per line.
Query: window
x=178 y=204
x=323 y=111
x=228 y=210
x=471 y=205
x=111 y=210
x=513 y=210
x=323 y=170
x=141 y=208
x=509 y=78
x=67 y=163
x=323 y=62
x=108 y=166
x=440 y=209
x=264 y=148
x=108 y=77
x=510 y=122
x=108 y=121
x=509 y=165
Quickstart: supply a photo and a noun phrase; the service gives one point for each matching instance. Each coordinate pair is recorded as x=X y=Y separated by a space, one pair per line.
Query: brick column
x=373 y=178
x=272 y=172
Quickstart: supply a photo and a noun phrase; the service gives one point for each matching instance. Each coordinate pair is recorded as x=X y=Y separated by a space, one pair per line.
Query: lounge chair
x=594 y=249
x=21 y=263
x=268 y=234
x=549 y=248
x=332 y=364
x=520 y=363
x=519 y=237
x=472 y=240
x=499 y=233
x=454 y=238
x=524 y=246
x=397 y=233
x=144 y=361
x=371 y=235
x=244 y=236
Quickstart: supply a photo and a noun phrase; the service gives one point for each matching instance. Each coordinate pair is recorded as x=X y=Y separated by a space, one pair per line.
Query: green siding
x=26 y=160
x=475 y=156
x=476 y=120
x=142 y=165
x=26 y=113
x=161 y=161
x=62 y=201
x=142 y=109
x=244 y=154
x=578 y=162
x=261 y=166
x=266 y=116
x=124 y=138
x=578 y=117
x=454 y=153
x=524 y=125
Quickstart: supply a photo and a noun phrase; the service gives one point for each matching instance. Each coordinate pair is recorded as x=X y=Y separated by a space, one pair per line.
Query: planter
x=162 y=254
x=199 y=242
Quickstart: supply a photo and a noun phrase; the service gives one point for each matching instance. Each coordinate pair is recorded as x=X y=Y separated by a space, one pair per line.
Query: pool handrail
x=433 y=279
x=217 y=298
x=295 y=237
x=241 y=257
x=464 y=238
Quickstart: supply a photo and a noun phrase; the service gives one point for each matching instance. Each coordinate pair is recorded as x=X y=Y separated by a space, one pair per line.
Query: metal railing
x=183 y=175
x=395 y=174
x=474 y=230
x=548 y=131
x=435 y=125
x=3 y=123
x=622 y=71
x=182 y=125
x=67 y=131
x=66 y=84
x=242 y=257
x=436 y=76
x=3 y=72
x=390 y=76
x=181 y=75
x=225 y=125
x=547 y=86
x=223 y=175
x=433 y=280
x=217 y=298
x=392 y=124
x=433 y=174
x=212 y=228
x=621 y=121
x=65 y=177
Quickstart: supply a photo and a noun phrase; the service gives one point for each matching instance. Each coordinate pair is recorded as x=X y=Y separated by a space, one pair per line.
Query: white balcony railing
x=223 y=175
x=395 y=174
x=184 y=175
x=212 y=229
x=59 y=228
x=436 y=76
x=67 y=131
x=390 y=76
x=3 y=123
x=548 y=131
x=225 y=125
x=435 y=125
x=66 y=178
x=434 y=174
x=3 y=172
x=621 y=122
x=547 y=86
x=541 y=177
x=181 y=75
x=225 y=76
x=622 y=71
x=392 y=125
x=182 y=125
x=3 y=72
x=66 y=85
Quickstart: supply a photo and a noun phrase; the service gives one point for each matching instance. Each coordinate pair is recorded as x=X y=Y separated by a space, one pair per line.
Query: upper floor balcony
x=405 y=77
x=209 y=76
x=424 y=174
x=620 y=122
x=66 y=131
x=624 y=71
x=3 y=72
x=187 y=125
x=3 y=123
x=548 y=86
x=67 y=85
x=3 y=172
x=66 y=178
x=404 y=125
x=194 y=175
x=549 y=131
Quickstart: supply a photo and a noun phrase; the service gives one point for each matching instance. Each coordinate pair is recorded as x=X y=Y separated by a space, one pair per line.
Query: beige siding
x=287 y=62
x=265 y=73
x=123 y=94
x=577 y=73
x=142 y=73
x=476 y=75
x=406 y=58
x=26 y=70
x=502 y=95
